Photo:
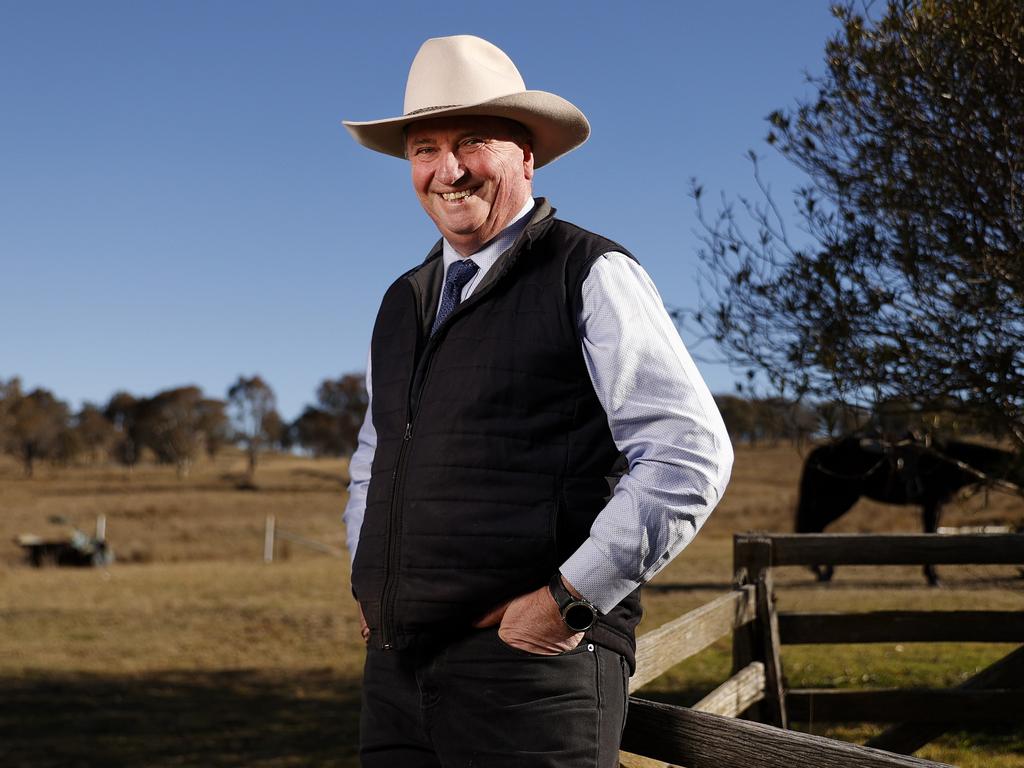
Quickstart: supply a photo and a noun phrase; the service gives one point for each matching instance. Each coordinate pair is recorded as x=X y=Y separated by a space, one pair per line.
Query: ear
x=527 y=161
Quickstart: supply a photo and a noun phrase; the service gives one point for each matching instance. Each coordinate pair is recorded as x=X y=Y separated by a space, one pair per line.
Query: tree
x=254 y=415
x=95 y=433
x=738 y=416
x=331 y=428
x=170 y=424
x=67 y=447
x=751 y=420
x=910 y=285
x=318 y=432
x=214 y=425
x=10 y=393
x=123 y=413
x=37 y=421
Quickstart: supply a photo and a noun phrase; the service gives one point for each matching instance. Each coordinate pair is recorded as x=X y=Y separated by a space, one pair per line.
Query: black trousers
x=475 y=702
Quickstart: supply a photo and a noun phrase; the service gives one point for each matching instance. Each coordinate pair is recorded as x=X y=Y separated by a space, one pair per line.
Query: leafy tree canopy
x=906 y=281
x=331 y=428
x=254 y=414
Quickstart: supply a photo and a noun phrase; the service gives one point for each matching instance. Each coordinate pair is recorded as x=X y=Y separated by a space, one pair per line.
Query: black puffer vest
x=493 y=453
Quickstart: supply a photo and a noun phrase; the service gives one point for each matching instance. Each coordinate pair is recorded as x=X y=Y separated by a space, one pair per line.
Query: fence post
x=268 y=540
x=770 y=648
x=751 y=553
x=743 y=644
x=759 y=640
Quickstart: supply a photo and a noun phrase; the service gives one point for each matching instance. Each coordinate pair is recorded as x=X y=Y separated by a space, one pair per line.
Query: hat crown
x=457 y=70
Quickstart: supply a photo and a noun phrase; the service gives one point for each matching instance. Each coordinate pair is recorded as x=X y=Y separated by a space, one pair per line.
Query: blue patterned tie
x=459 y=273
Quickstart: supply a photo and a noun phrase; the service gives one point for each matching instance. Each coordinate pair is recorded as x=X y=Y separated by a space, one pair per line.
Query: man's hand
x=532 y=623
x=364 y=630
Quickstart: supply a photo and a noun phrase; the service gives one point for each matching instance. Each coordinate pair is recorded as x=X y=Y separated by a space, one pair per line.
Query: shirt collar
x=488 y=255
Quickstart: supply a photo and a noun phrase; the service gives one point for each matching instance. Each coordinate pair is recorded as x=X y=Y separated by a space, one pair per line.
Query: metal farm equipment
x=75 y=548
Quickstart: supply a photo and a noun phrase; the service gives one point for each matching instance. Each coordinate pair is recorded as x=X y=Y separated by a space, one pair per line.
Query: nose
x=449 y=169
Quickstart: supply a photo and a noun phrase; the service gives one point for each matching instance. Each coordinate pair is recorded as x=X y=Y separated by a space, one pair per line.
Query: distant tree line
x=178 y=425
x=770 y=420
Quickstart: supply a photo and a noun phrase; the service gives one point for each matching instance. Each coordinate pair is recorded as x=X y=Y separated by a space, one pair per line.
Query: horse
x=910 y=471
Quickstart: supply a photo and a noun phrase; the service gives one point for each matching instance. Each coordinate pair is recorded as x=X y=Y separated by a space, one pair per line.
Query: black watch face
x=579 y=617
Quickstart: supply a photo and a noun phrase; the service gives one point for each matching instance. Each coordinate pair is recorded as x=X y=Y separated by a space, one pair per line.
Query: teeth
x=456 y=195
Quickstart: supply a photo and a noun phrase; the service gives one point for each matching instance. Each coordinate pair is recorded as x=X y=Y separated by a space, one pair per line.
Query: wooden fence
x=272 y=532
x=708 y=735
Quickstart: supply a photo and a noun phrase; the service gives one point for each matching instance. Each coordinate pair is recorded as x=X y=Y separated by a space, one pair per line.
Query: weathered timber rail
x=994 y=695
x=663 y=648
x=678 y=735
x=708 y=735
x=882 y=549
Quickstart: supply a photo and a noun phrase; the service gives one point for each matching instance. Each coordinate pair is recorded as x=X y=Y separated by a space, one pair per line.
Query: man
x=514 y=375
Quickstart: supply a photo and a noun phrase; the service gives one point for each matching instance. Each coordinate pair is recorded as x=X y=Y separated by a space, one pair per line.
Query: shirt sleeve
x=359 y=472
x=662 y=417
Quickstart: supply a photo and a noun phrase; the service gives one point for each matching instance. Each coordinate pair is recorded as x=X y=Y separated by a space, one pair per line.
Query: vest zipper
x=394 y=531
x=387 y=607
x=394 y=527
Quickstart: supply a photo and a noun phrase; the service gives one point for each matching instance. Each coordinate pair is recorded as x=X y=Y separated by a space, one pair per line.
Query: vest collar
x=428 y=279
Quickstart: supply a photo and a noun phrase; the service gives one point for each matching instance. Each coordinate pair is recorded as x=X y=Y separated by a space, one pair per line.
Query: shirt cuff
x=596 y=577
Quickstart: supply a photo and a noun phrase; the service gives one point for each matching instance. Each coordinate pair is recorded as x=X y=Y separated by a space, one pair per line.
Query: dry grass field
x=190 y=650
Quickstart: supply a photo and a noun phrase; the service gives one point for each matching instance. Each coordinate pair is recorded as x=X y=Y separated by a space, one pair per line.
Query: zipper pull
x=408 y=430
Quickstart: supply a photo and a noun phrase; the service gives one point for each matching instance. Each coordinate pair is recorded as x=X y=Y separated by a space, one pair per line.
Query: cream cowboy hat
x=465 y=75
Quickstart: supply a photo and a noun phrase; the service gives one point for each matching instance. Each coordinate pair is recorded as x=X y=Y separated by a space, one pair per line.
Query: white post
x=268 y=540
x=101 y=527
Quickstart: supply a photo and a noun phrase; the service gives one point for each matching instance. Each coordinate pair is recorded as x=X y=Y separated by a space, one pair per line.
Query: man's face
x=471 y=174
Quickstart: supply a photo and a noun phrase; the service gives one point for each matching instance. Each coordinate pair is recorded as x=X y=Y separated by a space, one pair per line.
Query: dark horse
x=911 y=471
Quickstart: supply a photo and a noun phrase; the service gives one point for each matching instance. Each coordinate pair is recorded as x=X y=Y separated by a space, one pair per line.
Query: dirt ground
x=189 y=650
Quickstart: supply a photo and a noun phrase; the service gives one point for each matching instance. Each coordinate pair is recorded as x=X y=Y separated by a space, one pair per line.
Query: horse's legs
x=930 y=512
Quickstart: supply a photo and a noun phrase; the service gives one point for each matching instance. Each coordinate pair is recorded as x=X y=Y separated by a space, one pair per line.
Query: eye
x=421 y=151
x=473 y=141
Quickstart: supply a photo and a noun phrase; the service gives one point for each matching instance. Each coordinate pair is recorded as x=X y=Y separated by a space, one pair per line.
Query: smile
x=451 y=196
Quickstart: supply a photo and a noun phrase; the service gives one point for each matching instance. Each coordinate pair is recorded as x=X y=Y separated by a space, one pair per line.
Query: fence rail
x=920 y=705
x=902 y=627
x=708 y=735
x=702 y=740
x=660 y=650
x=891 y=549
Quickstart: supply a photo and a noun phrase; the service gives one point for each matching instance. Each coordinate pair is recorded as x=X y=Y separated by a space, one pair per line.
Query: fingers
x=537 y=644
x=492 y=617
x=532 y=623
x=364 y=629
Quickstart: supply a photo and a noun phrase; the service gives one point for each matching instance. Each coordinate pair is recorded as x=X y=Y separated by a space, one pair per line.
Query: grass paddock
x=191 y=651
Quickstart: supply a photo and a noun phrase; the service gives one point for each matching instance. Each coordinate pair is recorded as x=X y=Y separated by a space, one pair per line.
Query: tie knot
x=461 y=272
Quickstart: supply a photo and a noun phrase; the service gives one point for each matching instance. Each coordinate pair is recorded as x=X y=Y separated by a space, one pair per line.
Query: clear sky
x=179 y=203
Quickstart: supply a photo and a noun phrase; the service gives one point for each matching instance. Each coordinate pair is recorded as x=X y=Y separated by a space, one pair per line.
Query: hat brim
x=556 y=125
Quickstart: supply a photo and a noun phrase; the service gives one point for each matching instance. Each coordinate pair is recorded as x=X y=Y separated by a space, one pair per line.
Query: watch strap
x=568 y=604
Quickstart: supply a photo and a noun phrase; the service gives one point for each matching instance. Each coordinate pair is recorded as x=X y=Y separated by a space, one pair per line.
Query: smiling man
x=471 y=174
x=538 y=445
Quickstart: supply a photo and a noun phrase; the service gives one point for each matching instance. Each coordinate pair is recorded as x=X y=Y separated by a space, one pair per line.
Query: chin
x=461 y=229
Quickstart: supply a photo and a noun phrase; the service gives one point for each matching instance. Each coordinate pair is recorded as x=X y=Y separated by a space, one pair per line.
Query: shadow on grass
x=306 y=718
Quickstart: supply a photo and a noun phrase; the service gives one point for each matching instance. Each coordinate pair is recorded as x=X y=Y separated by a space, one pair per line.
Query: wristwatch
x=578 y=614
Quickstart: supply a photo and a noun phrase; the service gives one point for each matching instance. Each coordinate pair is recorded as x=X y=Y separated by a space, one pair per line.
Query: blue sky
x=179 y=203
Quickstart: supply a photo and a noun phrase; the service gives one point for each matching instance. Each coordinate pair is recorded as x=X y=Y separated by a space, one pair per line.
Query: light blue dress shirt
x=661 y=416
